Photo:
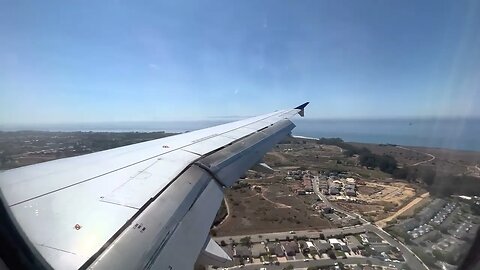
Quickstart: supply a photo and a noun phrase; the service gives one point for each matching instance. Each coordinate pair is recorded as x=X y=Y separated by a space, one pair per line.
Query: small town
x=440 y=230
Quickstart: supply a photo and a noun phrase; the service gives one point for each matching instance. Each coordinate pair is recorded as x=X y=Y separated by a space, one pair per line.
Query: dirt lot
x=273 y=208
x=378 y=200
x=406 y=209
x=396 y=193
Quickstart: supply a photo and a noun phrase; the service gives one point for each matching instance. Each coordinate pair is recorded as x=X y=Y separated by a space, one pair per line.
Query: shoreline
x=395 y=144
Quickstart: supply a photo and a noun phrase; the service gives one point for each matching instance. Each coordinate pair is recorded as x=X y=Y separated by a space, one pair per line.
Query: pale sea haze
x=462 y=134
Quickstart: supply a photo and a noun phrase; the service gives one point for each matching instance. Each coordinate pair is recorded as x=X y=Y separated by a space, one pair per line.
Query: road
x=270 y=236
x=412 y=260
x=283 y=235
x=322 y=262
x=320 y=195
x=432 y=157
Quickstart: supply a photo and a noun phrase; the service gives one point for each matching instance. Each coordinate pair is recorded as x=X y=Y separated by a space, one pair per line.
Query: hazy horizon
x=444 y=133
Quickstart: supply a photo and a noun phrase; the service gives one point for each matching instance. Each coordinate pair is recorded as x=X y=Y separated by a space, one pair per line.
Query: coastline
x=416 y=147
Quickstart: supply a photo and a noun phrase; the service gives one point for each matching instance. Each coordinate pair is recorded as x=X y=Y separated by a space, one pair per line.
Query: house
x=333 y=190
x=373 y=238
x=291 y=248
x=303 y=246
x=350 y=192
x=327 y=210
x=258 y=250
x=279 y=251
x=353 y=243
x=322 y=246
x=335 y=243
x=275 y=249
x=350 y=186
x=242 y=252
x=344 y=248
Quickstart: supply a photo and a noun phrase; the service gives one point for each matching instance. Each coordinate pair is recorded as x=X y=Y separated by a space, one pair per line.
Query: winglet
x=302 y=108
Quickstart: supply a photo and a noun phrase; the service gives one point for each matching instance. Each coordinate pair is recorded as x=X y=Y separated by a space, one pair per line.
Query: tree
x=331 y=254
x=387 y=164
x=368 y=160
x=428 y=176
x=246 y=241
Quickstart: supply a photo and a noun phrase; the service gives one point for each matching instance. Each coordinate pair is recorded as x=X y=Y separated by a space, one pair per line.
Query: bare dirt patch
x=382 y=223
x=250 y=212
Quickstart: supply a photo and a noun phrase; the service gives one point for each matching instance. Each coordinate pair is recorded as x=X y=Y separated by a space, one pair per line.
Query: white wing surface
x=144 y=206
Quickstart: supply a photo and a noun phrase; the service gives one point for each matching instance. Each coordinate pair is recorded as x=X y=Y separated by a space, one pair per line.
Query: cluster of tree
x=444 y=185
x=368 y=159
x=440 y=184
x=412 y=173
x=385 y=163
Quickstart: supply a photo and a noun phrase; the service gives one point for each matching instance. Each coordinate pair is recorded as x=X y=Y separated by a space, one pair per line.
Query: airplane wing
x=143 y=206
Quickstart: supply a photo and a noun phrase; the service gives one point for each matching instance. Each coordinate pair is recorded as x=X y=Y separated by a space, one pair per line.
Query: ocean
x=461 y=134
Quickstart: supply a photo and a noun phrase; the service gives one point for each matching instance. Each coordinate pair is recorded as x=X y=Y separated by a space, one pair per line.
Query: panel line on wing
x=57 y=249
x=119 y=204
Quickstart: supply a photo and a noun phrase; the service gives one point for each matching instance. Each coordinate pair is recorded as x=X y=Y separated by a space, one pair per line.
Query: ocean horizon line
x=446 y=133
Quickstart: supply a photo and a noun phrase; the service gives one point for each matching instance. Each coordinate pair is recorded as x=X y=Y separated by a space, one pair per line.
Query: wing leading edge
x=153 y=211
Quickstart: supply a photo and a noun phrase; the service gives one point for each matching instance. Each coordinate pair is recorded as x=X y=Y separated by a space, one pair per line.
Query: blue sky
x=103 y=61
